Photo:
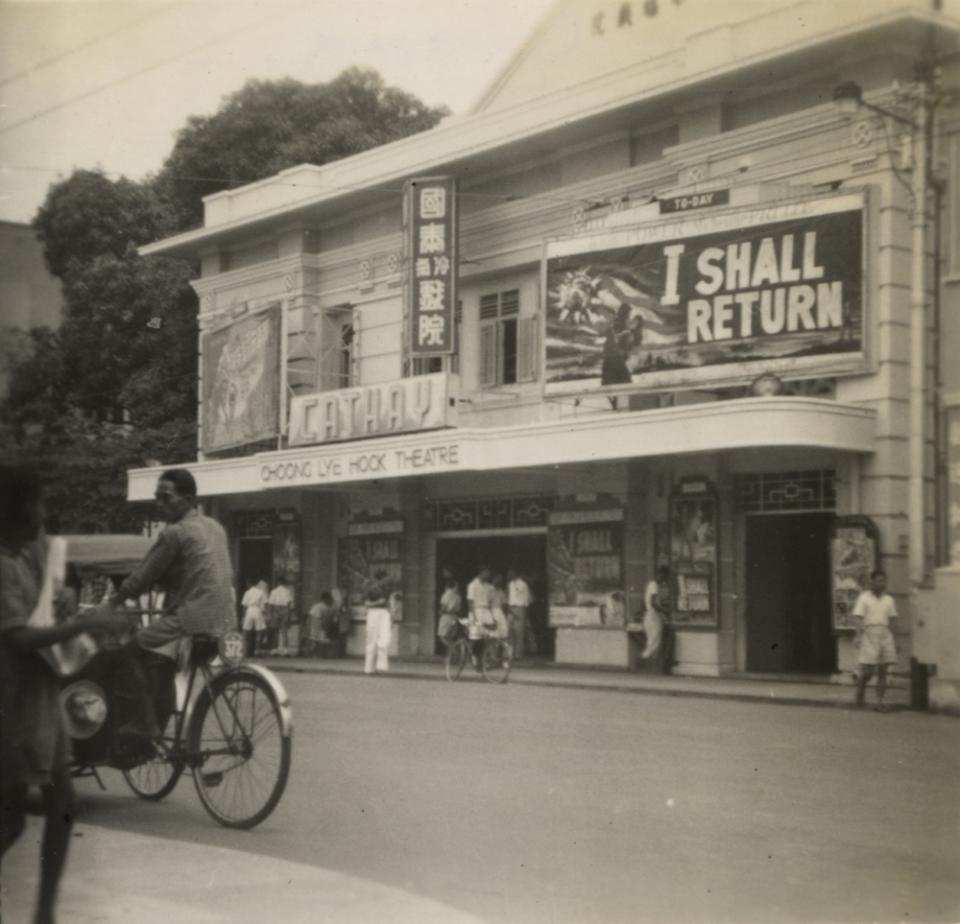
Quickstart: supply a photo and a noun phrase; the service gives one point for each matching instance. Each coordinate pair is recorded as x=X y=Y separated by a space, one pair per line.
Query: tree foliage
x=269 y=126
x=115 y=386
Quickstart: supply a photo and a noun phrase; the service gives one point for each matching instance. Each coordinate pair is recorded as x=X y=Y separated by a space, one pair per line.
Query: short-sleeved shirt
x=480 y=592
x=254 y=599
x=191 y=563
x=874 y=610
x=519 y=593
x=280 y=596
x=32 y=738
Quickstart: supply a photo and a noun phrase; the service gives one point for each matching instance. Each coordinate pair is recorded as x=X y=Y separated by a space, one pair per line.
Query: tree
x=88 y=215
x=116 y=385
x=268 y=126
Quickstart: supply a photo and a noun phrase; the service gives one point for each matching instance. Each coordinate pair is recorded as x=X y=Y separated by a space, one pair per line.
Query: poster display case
x=854 y=553
x=585 y=566
x=371 y=546
x=693 y=556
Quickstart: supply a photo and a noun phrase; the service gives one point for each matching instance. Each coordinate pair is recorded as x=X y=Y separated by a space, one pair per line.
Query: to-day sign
x=776 y=285
x=422 y=402
x=430 y=248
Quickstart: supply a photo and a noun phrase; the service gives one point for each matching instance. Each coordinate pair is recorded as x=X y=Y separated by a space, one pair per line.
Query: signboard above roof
x=716 y=296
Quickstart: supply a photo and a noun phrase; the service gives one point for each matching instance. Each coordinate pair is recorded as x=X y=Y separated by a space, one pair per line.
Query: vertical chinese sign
x=430 y=248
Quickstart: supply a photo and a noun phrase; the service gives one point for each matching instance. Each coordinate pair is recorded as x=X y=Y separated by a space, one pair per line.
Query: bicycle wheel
x=155 y=778
x=241 y=757
x=496 y=661
x=457 y=657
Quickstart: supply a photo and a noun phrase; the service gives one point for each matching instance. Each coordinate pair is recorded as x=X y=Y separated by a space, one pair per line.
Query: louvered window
x=508 y=342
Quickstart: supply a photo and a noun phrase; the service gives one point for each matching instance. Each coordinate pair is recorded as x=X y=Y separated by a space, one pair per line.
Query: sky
x=88 y=83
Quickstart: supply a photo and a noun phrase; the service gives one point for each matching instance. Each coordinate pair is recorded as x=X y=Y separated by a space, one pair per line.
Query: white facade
x=594 y=125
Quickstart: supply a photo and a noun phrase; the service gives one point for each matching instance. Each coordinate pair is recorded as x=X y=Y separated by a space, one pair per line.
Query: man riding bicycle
x=190 y=562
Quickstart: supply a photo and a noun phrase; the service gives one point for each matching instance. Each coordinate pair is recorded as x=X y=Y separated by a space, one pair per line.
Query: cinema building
x=659 y=298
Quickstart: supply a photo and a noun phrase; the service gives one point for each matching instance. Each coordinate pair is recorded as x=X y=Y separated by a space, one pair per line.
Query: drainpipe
x=918 y=333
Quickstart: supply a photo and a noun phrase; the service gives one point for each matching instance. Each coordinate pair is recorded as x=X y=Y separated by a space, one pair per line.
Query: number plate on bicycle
x=231 y=647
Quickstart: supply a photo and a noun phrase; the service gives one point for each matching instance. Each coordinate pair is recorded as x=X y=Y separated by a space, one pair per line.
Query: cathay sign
x=422 y=402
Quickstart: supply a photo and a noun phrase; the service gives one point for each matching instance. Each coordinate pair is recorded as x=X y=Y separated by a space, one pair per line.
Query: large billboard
x=241 y=381
x=707 y=298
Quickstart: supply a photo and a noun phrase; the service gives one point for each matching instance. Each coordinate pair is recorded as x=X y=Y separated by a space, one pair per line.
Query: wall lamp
x=848 y=97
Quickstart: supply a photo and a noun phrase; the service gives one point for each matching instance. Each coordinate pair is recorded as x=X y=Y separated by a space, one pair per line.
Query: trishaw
x=227 y=722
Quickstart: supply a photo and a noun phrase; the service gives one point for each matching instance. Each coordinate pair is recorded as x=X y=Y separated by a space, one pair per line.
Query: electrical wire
x=74 y=49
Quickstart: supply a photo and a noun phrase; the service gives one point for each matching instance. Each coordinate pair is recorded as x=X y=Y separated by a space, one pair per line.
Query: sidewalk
x=778 y=690
x=114 y=877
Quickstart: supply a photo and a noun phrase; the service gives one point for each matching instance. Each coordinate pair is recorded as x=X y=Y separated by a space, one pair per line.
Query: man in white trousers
x=378 y=626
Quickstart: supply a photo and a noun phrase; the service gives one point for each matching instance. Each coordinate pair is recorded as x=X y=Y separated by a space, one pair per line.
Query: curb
x=612 y=686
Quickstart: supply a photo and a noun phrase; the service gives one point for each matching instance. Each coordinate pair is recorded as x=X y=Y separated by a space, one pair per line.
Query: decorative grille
x=780 y=492
x=487 y=513
x=256 y=523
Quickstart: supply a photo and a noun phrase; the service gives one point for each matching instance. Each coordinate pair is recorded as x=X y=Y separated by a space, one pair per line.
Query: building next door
x=789 y=629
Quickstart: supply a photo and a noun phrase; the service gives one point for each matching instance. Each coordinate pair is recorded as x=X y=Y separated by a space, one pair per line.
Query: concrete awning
x=750 y=423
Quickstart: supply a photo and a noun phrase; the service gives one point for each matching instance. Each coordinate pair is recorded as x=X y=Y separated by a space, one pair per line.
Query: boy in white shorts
x=874 y=611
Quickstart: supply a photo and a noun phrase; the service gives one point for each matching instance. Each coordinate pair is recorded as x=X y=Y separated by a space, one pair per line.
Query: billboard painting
x=241 y=381
x=681 y=301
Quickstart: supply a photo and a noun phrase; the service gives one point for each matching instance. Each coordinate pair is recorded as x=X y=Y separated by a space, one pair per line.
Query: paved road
x=536 y=805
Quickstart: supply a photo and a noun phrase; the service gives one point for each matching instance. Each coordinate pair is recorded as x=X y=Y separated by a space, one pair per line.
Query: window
x=345 y=355
x=508 y=342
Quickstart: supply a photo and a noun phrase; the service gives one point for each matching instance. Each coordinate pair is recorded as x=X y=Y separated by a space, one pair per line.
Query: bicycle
x=235 y=736
x=495 y=661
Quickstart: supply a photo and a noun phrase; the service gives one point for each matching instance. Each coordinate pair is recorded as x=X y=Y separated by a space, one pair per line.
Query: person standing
x=379 y=626
x=479 y=602
x=451 y=607
x=254 y=623
x=655 y=610
x=34 y=748
x=876 y=649
x=519 y=599
x=280 y=609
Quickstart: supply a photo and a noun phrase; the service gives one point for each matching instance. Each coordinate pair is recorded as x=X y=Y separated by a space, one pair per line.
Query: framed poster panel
x=854 y=553
x=704 y=297
x=693 y=559
x=241 y=381
x=585 y=568
x=368 y=548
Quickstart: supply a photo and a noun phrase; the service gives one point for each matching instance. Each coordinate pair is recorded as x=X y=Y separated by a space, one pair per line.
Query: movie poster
x=585 y=568
x=693 y=560
x=241 y=381
x=853 y=555
x=680 y=301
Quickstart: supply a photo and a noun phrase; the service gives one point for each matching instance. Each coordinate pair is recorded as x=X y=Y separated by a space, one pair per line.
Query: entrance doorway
x=254 y=563
x=789 y=629
x=525 y=554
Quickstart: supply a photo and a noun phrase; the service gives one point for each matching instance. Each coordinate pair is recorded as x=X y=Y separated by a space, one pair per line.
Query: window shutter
x=509 y=303
x=489 y=306
x=488 y=354
x=528 y=348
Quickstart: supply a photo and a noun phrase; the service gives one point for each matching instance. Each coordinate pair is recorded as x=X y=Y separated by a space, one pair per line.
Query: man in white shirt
x=480 y=609
x=519 y=599
x=873 y=612
x=655 y=610
x=279 y=610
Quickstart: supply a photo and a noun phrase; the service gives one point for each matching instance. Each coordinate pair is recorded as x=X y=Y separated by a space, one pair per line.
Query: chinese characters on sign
x=431 y=247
